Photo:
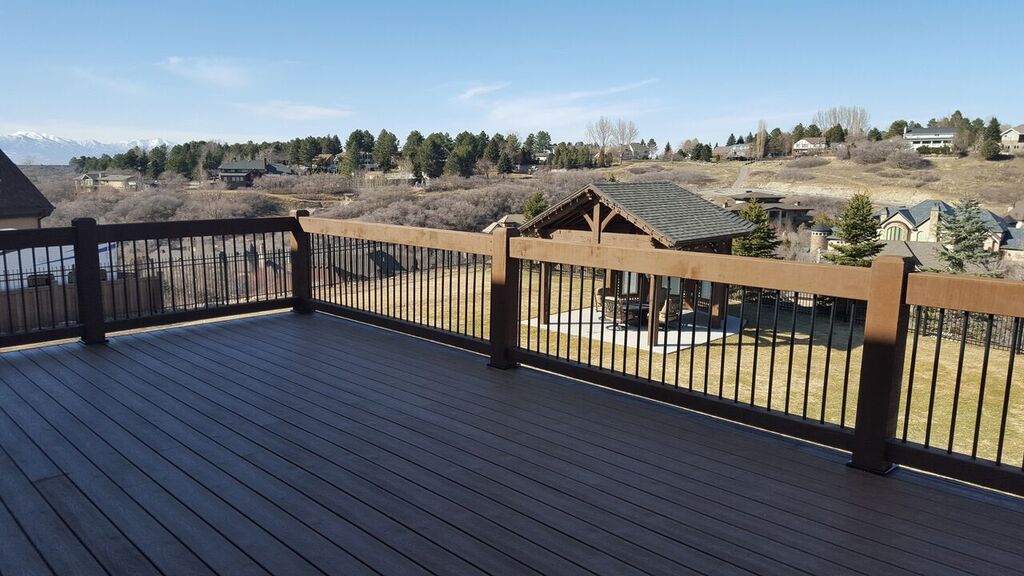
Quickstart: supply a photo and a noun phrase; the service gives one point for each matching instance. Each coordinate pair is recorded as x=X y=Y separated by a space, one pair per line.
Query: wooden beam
x=467 y=242
x=823 y=279
x=984 y=295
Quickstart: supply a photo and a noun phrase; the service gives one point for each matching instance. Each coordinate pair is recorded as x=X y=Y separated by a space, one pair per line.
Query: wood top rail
x=187 y=228
x=468 y=242
x=971 y=294
x=837 y=281
x=36 y=238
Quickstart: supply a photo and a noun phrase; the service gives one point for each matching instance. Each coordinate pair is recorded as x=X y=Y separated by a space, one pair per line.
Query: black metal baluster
x=828 y=358
x=810 y=349
x=935 y=378
x=852 y=321
x=959 y=379
x=771 y=356
x=981 y=384
x=1014 y=342
x=757 y=345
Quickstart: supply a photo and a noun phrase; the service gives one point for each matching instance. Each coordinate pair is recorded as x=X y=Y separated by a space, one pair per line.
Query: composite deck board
x=687 y=435
x=301 y=444
x=950 y=541
x=651 y=509
x=564 y=460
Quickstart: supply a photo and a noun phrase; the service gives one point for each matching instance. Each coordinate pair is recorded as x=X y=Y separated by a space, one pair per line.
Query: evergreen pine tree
x=963 y=235
x=534 y=205
x=798 y=132
x=812 y=131
x=739 y=140
x=857 y=227
x=762 y=242
x=990 y=147
x=504 y=164
x=731 y=140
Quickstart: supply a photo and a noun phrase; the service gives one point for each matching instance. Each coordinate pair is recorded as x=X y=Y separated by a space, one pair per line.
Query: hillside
x=999 y=184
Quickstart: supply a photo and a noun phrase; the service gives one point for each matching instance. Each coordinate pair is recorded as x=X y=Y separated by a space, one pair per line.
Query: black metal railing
x=785 y=352
x=962 y=390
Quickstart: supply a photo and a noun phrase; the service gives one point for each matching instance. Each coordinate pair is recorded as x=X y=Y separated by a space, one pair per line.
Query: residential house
x=1012 y=140
x=244 y=172
x=93 y=180
x=810 y=145
x=783 y=213
x=930 y=137
x=326 y=163
x=506 y=221
x=732 y=152
x=637 y=151
x=542 y=156
x=22 y=206
x=920 y=223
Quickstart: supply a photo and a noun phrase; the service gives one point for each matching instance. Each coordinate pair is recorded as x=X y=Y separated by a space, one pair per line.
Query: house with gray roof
x=921 y=223
x=22 y=205
x=1011 y=140
x=930 y=137
x=244 y=172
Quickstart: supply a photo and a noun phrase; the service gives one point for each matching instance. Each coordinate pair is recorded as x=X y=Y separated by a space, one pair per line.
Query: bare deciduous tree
x=600 y=134
x=625 y=133
x=853 y=119
x=760 y=146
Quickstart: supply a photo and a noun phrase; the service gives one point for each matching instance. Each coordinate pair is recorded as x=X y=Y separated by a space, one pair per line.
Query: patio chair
x=669 y=308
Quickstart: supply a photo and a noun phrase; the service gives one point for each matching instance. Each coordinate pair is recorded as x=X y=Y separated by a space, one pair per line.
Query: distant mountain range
x=36 y=148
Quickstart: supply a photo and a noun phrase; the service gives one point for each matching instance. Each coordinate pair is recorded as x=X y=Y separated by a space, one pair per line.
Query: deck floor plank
x=308 y=444
x=884 y=529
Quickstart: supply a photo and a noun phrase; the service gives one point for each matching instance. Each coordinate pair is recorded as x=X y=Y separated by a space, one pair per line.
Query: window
x=895 y=233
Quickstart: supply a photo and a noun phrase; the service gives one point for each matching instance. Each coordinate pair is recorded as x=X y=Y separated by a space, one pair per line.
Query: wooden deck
x=293 y=444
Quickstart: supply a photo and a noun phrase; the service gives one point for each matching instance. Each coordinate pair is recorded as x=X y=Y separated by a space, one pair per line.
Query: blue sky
x=275 y=70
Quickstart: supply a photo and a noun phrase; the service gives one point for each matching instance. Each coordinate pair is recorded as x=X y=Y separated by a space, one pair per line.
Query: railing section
x=38 y=292
x=403 y=277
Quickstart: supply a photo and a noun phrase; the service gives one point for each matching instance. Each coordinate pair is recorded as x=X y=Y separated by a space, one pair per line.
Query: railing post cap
x=300 y=213
x=83 y=221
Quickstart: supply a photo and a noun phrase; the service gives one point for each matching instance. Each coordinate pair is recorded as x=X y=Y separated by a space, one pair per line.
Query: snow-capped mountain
x=36 y=148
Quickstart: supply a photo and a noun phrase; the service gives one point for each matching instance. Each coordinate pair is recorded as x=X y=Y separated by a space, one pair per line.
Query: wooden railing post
x=301 y=259
x=87 y=280
x=504 y=300
x=881 y=374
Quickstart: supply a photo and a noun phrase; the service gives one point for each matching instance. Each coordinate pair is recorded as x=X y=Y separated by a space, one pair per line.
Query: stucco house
x=920 y=223
x=637 y=151
x=810 y=145
x=732 y=152
x=22 y=205
x=1012 y=140
x=91 y=180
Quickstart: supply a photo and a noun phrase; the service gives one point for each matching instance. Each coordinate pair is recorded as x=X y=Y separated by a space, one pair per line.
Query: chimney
x=933 y=223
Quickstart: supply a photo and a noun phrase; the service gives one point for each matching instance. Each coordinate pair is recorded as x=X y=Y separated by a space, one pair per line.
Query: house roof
x=813 y=139
x=18 y=195
x=674 y=216
x=244 y=165
x=756 y=195
x=506 y=221
x=923 y=255
x=929 y=132
x=1018 y=129
x=920 y=213
x=1014 y=239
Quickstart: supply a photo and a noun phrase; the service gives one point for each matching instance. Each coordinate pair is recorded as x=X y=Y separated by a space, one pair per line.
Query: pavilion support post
x=719 y=304
x=545 y=294
x=652 y=310
x=881 y=375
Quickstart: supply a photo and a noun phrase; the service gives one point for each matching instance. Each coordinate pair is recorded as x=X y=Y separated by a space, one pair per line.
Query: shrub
x=876 y=152
x=807 y=162
x=907 y=160
x=841 y=152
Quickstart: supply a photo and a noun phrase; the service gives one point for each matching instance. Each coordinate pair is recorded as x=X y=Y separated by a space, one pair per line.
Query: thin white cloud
x=219 y=72
x=107 y=81
x=566 y=112
x=284 y=110
x=480 y=90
